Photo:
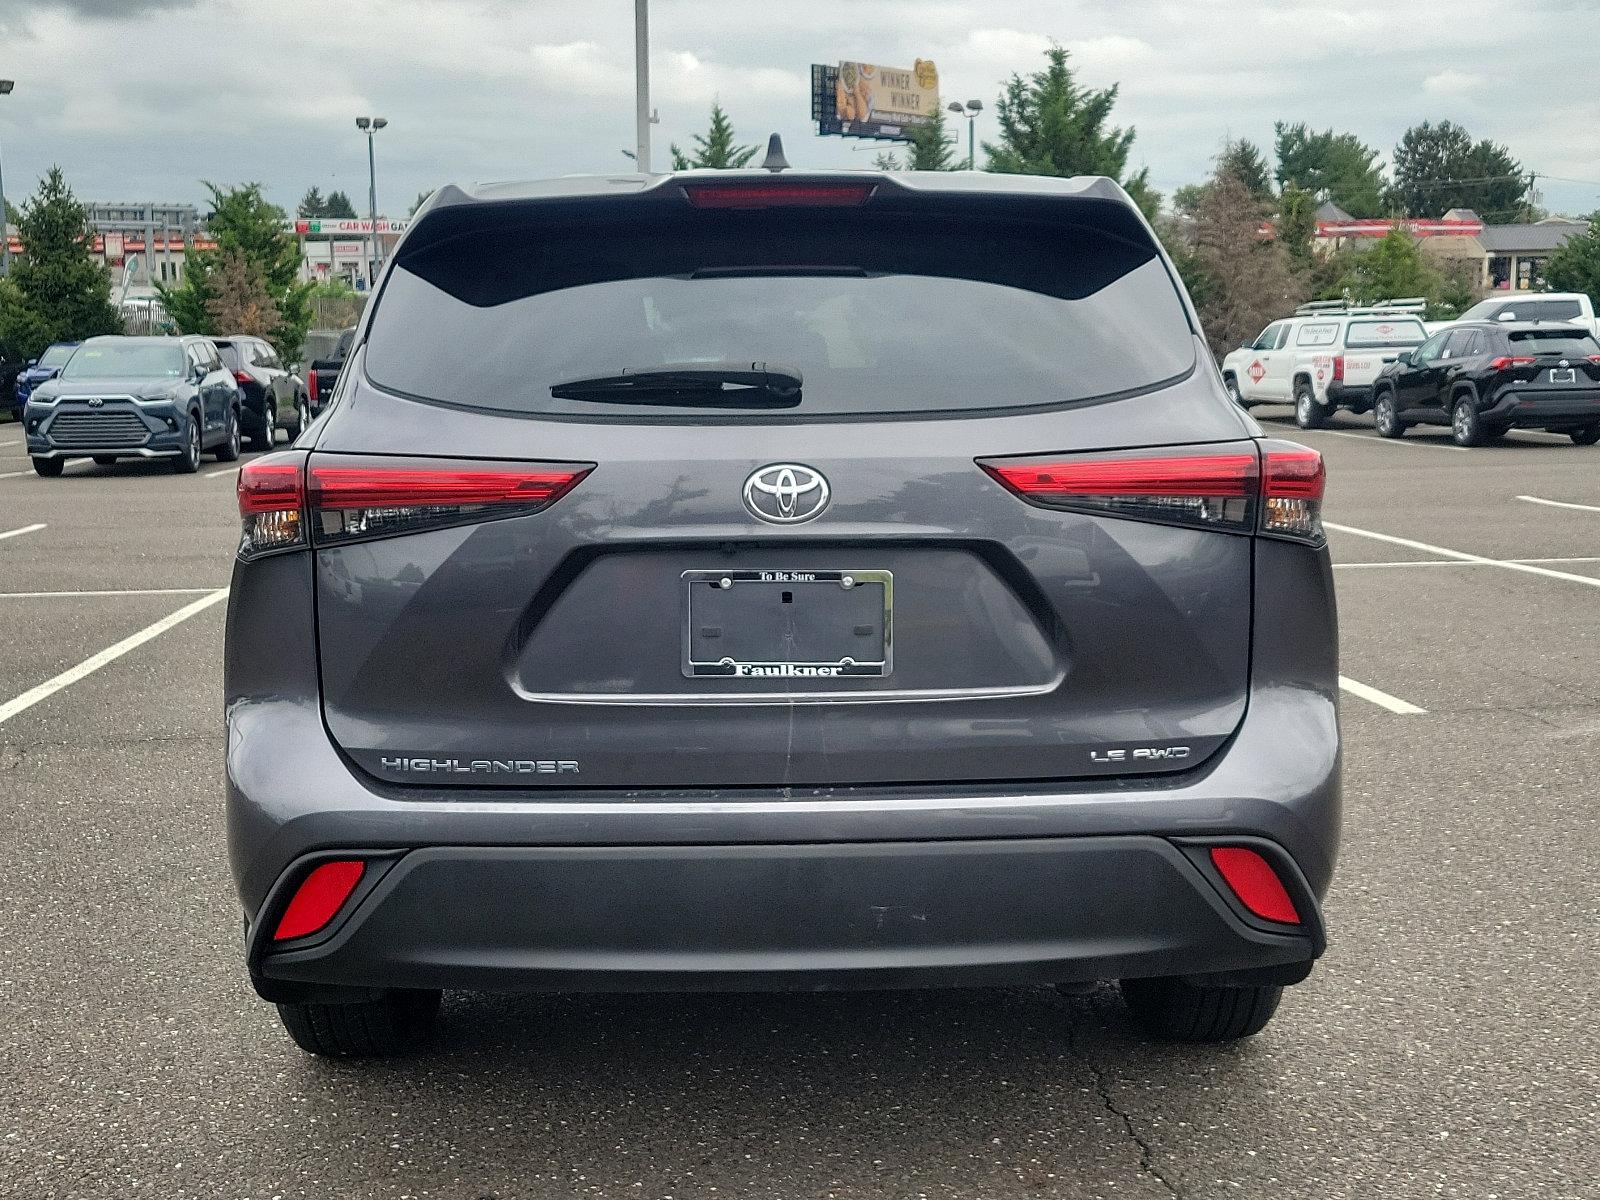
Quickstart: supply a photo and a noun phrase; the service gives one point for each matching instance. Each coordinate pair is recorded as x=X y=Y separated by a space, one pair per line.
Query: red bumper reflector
x=1255 y=883
x=318 y=898
x=781 y=195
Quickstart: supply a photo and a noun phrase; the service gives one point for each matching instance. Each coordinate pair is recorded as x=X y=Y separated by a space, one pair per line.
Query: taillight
x=1338 y=368
x=241 y=377
x=318 y=899
x=1292 y=483
x=363 y=497
x=1504 y=361
x=311 y=388
x=272 y=494
x=777 y=195
x=286 y=505
x=1276 y=491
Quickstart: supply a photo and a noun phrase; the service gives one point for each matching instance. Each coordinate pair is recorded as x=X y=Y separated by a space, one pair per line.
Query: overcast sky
x=140 y=99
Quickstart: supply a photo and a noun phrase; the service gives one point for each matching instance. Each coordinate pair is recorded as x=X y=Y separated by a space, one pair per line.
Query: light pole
x=970 y=112
x=641 y=84
x=370 y=126
x=5 y=232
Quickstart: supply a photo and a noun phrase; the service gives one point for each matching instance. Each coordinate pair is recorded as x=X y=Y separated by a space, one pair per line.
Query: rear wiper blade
x=701 y=385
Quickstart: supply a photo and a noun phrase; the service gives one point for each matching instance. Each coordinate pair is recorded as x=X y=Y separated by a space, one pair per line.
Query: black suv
x=135 y=397
x=270 y=399
x=1486 y=377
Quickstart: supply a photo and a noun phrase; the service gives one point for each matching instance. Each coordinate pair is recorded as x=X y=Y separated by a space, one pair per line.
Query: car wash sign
x=341 y=227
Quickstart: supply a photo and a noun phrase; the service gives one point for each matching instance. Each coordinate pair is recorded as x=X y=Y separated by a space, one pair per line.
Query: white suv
x=1323 y=358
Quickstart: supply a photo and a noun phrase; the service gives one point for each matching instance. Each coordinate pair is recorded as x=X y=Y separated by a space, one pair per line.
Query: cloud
x=587 y=68
x=1451 y=82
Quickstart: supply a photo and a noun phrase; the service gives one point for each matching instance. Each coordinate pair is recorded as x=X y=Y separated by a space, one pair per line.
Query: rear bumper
x=844 y=915
x=1350 y=396
x=1539 y=409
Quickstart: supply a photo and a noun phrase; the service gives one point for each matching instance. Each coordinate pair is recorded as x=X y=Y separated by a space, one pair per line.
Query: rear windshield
x=882 y=314
x=1385 y=333
x=1569 y=343
x=56 y=355
x=112 y=359
x=230 y=355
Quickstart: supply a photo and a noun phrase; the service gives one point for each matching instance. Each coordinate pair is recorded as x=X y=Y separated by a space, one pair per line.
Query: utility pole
x=370 y=126
x=641 y=77
x=5 y=233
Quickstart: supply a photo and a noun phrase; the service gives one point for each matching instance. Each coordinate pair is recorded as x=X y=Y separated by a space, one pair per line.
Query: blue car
x=46 y=366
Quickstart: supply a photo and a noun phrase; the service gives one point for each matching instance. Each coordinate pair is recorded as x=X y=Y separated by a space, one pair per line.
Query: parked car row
x=1488 y=373
x=157 y=397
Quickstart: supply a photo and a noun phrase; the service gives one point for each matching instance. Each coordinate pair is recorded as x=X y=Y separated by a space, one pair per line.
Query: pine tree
x=1390 y=270
x=312 y=204
x=715 y=149
x=339 y=207
x=1439 y=167
x=928 y=148
x=57 y=291
x=245 y=222
x=1297 y=225
x=1051 y=126
x=1331 y=166
x=242 y=303
x=1244 y=160
x=422 y=198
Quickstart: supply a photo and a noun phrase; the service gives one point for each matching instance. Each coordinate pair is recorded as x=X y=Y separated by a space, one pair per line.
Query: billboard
x=869 y=100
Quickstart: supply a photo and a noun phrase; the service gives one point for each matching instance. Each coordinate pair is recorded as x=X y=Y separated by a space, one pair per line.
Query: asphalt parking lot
x=1445 y=1046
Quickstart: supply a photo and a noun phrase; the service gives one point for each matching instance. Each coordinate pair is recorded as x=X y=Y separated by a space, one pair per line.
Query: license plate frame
x=1563 y=375
x=861 y=611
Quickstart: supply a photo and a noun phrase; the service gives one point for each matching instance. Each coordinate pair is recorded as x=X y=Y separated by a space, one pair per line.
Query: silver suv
x=740 y=580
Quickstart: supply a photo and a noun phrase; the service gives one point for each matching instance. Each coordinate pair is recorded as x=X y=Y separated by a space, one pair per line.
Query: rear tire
x=1465 y=424
x=50 y=468
x=1386 y=416
x=1231 y=385
x=269 y=432
x=1308 y=414
x=371 y=1028
x=1587 y=436
x=1178 y=1011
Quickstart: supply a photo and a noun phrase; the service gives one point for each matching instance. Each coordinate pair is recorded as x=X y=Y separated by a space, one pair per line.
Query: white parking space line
x=1594 y=508
x=1450 y=562
x=14 y=474
x=224 y=471
x=1367 y=437
x=1382 y=699
x=109 y=655
x=1462 y=556
x=8 y=445
x=11 y=533
x=107 y=592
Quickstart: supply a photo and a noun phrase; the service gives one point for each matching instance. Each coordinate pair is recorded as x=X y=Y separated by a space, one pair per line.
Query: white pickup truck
x=1570 y=308
x=1323 y=358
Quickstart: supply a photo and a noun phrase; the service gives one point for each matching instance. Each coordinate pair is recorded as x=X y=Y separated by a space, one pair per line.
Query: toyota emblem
x=785 y=493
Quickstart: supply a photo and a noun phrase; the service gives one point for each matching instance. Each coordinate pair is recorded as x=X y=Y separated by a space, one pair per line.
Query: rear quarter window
x=883 y=314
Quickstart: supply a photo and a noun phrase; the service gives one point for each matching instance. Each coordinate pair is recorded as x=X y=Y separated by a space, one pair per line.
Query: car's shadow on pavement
x=981 y=1092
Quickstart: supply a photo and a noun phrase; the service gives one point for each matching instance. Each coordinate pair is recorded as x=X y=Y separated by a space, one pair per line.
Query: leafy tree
x=1244 y=161
x=1576 y=266
x=243 y=221
x=1331 y=166
x=57 y=291
x=1297 y=225
x=242 y=303
x=1238 y=278
x=12 y=213
x=715 y=149
x=1439 y=167
x=312 y=204
x=1051 y=126
x=421 y=199
x=1393 y=268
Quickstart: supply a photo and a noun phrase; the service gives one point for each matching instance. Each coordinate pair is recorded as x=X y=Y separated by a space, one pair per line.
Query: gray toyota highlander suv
x=735 y=580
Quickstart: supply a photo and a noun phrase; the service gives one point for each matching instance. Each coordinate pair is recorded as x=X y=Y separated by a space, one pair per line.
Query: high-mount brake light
x=1507 y=360
x=272 y=497
x=1275 y=490
x=363 y=497
x=777 y=195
